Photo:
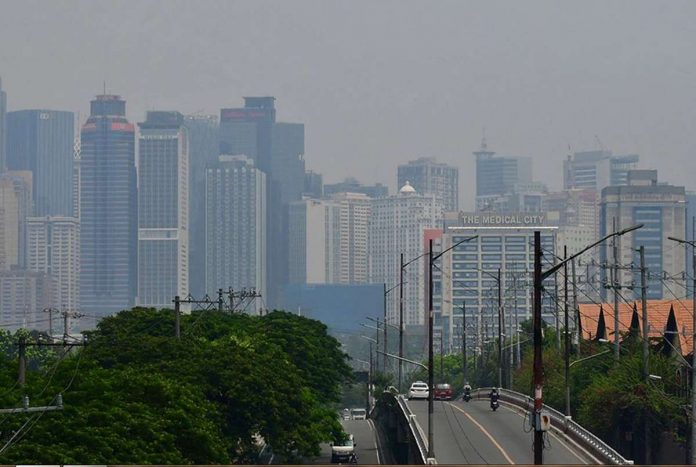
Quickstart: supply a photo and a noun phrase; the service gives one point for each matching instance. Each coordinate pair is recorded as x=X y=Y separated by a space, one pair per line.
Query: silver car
x=418 y=390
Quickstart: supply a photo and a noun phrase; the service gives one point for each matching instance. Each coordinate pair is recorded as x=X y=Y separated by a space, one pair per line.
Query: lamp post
x=431 y=313
x=538 y=373
x=402 y=267
x=384 y=341
x=692 y=440
x=371 y=373
x=386 y=292
x=500 y=323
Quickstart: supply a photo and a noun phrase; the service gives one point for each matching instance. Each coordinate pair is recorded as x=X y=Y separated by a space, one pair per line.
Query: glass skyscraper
x=108 y=209
x=163 y=209
x=3 y=127
x=42 y=141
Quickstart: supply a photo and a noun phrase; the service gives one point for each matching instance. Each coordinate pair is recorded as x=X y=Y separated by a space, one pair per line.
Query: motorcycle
x=467 y=397
x=353 y=459
x=494 y=404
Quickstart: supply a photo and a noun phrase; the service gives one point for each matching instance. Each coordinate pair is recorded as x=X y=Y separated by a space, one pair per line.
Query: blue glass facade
x=650 y=236
x=42 y=141
x=109 y=212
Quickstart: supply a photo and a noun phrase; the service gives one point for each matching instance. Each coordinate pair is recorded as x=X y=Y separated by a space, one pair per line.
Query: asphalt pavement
x=471 y=433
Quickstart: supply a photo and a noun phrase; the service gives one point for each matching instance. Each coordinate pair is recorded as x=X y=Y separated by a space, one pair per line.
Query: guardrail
x=566 y=425
x=414 y=429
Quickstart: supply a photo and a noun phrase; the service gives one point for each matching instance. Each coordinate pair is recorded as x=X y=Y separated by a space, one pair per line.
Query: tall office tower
x=23 y=296
x=15 y=206
x=497 y=176
x=277 y=149
x=468 y=274
x=314 y=239
x=204 y=150
x=597 y=170
x=3 y=128
x=427 y=176
x=236 y=226
x=351 y=185
x=108 y=209
x=398 y=225
x=313 y=185
x=163 y=177
x=53 y=248
x=690 y=235
x=43 y=141
x=355 y=211
x=661 y=210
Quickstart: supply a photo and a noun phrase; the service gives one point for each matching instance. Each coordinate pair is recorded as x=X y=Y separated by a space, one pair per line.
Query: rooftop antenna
x=484 y=145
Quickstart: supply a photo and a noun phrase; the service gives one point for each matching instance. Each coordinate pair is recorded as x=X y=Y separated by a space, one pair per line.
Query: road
x=471 y=433
x=363 y=432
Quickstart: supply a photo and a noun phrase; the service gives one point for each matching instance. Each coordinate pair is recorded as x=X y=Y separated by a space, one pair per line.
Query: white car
x=359 y=414
x=343 y=450
x=418 y=390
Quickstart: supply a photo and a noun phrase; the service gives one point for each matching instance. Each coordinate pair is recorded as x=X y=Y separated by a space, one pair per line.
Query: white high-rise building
x=235 y=219
x=53 y=248
x=355 y=216
x=162 y=209
x=314 y=242
x=398 y=224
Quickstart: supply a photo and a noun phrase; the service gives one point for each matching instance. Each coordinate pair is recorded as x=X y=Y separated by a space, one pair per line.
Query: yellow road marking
x=495 y=443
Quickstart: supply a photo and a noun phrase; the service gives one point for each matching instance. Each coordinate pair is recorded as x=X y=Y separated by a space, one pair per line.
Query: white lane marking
x=583 y=461
x=483 y=430
x=372 y=427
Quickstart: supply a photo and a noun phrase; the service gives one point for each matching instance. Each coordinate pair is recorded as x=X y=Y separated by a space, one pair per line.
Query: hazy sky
x=378 y=83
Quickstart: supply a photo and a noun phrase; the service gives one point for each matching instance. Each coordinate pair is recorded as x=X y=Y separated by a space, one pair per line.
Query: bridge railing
x=414 y=428
x=584 y=438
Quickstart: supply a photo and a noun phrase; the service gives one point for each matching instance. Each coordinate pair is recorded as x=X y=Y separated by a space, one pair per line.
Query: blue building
x=109 y=210
x=42 y=141
x=3 y=126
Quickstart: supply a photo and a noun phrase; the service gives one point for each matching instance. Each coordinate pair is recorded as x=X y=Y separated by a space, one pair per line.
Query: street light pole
x=464 y=362
x=384 y=360
x=431 y=447
x=500 y=331
x=566 y=332
x=401 y=317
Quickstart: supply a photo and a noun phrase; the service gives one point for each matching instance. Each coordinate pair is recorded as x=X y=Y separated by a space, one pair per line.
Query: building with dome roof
x=397 y=225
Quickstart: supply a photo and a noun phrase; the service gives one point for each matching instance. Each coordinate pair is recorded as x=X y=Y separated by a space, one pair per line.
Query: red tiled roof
x=658 y=312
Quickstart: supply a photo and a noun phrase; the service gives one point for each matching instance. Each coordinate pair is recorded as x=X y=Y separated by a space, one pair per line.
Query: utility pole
x=538 y=371
x=431 y=444
x=558 y=311
x=50 y=312
x=66 y=316
x=567 y=332
x=464 y=362
x=576 y=310
x=442 y=354
x=617 y=342
x=220 y=301
x=384 y=359
x=500 y=331
x=177 y=317
x=646 y=343
x=401 y=319
x=22 y=373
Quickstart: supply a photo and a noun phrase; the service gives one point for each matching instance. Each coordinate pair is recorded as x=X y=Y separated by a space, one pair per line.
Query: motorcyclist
x=493 y=395
x=467 y=391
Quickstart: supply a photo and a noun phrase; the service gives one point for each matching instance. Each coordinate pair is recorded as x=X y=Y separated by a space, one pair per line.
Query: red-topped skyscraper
x=108 y=209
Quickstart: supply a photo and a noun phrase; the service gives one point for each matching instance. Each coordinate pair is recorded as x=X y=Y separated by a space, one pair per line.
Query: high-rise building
x=108 y=209
x=42 y=141
x=236 y=226
x=3 y=128
x=596 y=170
x=355 y=211
x=467 y=276
x=661 y=209
x=23 y=296
x=277 y=149
x=314 y=239
x=15 y=206
x=427 y=176
x=204 y=150
x=497 y=176
x=398 y=225
x=314 y=185
x=163 y=198
x=351 y=185
x=53 y=248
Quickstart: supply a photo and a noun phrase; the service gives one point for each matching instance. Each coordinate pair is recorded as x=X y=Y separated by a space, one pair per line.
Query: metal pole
x=384 y=346
x=693 y=363
x=646 y=343
x=558 y=311
x=441 y=355
x=177 y=317
x=464 y=362
x=401 y=319
x=617 y=343
x=566 y=333
x=431 y=447
x=517 y=334
x=538 y=364
x=511 y=357
x=21 y=377
x=500 y=331
x=576 y=310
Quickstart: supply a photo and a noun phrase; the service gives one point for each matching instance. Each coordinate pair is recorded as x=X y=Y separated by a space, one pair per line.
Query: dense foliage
x=135 y=394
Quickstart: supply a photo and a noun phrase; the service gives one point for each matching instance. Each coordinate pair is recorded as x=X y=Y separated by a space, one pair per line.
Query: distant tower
x=3 y=128
x=430 y=177
x=108 y=209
